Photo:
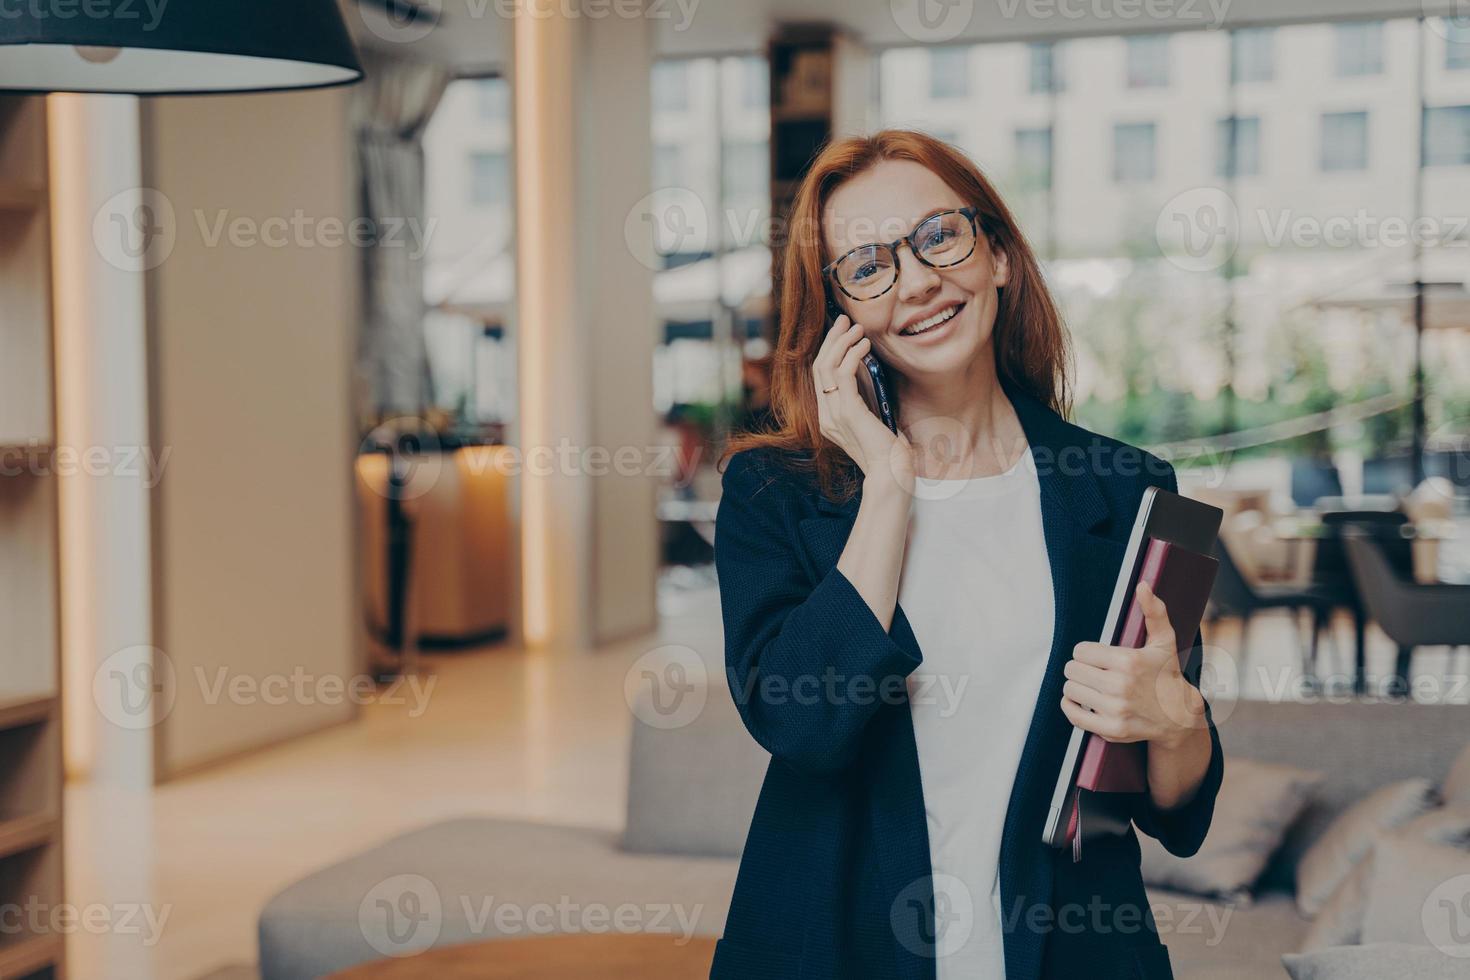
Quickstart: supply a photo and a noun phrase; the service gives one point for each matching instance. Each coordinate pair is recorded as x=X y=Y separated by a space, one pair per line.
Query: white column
x=584 y=326
x=106 y=595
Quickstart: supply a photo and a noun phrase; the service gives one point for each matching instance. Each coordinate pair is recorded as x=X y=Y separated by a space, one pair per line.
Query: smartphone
x=872 y=381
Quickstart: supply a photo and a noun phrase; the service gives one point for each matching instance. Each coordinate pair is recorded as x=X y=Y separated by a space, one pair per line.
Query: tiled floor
x=541 y=736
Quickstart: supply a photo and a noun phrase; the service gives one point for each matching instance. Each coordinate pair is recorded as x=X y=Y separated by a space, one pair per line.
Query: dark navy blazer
x=835 y=880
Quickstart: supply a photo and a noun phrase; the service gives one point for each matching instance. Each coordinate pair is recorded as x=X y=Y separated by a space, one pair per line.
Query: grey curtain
x=390 y=110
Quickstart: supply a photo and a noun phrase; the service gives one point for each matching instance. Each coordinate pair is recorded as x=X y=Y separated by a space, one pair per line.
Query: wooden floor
x=540 y=736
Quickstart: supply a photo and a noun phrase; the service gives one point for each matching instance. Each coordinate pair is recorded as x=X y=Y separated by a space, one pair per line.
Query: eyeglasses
x=940 y=240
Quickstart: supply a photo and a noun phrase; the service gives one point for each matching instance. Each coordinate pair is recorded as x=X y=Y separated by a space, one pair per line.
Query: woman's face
x=882 y=204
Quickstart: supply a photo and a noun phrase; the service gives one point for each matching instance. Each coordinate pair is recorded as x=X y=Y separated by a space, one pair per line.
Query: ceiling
x=474 y=35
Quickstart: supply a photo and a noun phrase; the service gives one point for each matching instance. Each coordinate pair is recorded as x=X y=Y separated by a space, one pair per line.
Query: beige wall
x=250 y=356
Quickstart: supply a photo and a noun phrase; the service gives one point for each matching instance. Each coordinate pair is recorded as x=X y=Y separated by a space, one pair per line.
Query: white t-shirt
x=976 y=588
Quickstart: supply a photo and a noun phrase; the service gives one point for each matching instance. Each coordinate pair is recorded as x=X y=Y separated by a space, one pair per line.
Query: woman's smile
x=933 y=328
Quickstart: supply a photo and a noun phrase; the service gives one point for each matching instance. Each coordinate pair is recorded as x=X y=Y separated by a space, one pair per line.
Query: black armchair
x=1411 y=614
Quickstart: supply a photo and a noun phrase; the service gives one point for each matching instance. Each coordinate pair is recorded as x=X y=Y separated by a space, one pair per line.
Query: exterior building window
x=1046 y=68
x=489 y=180
x=1359 y=48
x=1252 y=55
x=1344 y=141
x=1033 y=158
x=949 y=72
x=1447 y=136
x=1134 y=146
x=1148 y=61
x=1246 y=159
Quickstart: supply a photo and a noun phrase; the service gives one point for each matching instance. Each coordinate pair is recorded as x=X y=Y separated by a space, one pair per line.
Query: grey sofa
x=690 y=796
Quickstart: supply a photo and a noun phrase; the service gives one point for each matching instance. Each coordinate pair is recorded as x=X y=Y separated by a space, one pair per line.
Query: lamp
x=152 y=47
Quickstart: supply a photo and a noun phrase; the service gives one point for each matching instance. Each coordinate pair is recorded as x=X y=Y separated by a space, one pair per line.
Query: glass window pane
x=489 y=179
x=1134 y=152
x=949 y=72
x=1344 y=141
x=1447 y=136
x=1252 y=54
x=1244 y=134
x=1358 y=48
x=1148 y=61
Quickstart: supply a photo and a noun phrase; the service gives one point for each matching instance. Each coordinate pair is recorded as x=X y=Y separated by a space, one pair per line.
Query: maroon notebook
x=1183 y=579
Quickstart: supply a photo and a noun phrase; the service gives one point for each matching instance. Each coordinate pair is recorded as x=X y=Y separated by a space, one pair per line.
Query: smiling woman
x=898 y=833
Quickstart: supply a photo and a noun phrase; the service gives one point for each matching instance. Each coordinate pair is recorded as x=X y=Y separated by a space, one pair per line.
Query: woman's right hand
x=843 y=416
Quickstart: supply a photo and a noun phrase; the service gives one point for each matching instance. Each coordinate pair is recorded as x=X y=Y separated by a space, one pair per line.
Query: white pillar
x=106 y=575
x=584 y=325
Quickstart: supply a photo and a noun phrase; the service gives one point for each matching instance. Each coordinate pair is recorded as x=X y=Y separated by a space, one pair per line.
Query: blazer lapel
x=1083 y=567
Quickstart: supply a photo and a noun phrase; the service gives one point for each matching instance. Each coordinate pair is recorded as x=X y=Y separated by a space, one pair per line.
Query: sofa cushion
x=1456 y=788
x=1374 y=961
x=1360 y=745
x=1331 y=857
x=692 y=786
x=1340 y=921
x=479 y=879
x=1256 y=803
x=1417 y=894
x=1211 y=940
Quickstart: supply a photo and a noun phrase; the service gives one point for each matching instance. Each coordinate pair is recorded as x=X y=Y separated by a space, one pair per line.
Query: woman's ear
x=1000 y=262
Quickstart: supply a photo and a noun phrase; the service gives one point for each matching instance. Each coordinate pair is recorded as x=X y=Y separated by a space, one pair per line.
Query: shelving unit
x=821 y=85
x=30 y=703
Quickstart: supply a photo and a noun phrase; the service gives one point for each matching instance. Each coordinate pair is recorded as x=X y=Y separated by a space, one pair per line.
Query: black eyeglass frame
x=976 y=227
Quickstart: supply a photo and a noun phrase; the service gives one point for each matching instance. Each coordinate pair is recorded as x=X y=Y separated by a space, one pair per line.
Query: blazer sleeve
x=1181 y=830
x=808 y=665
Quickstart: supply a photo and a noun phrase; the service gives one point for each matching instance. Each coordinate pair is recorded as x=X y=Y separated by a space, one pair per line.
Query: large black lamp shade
x=148 y=47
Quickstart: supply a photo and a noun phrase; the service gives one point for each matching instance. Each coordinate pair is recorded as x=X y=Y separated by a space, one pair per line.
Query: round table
x=605 y=956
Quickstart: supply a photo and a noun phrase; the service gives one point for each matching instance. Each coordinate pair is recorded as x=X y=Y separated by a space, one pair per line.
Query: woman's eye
x=936 y=238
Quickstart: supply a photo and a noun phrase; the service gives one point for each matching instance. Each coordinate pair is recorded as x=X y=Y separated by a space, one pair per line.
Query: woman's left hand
x=1130 y=694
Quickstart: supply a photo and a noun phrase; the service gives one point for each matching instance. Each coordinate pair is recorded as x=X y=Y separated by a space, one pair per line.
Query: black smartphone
x=872 y=381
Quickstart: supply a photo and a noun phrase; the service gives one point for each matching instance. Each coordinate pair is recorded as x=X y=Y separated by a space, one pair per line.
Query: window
x=949 y=73
x=1244 y=132
x=1133 y=152
x=1359 y=48
x=1457 y=42
x=1344 y=141
x=671 y=86
x=755 y=83
x=1046 y=68
x=1252 y=55
x=668 y=166
x=747 y=172
x=492 y=99
x=489 y=180
x=1148 y=61
x=1447 y=136
x=1033 y=158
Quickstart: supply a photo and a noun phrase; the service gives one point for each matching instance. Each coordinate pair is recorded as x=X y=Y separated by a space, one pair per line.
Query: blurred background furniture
x=691 y=791
x=1233 y=595
x=30 y=606
x=455 y=510
x=1411 y=614
x=605 y=956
